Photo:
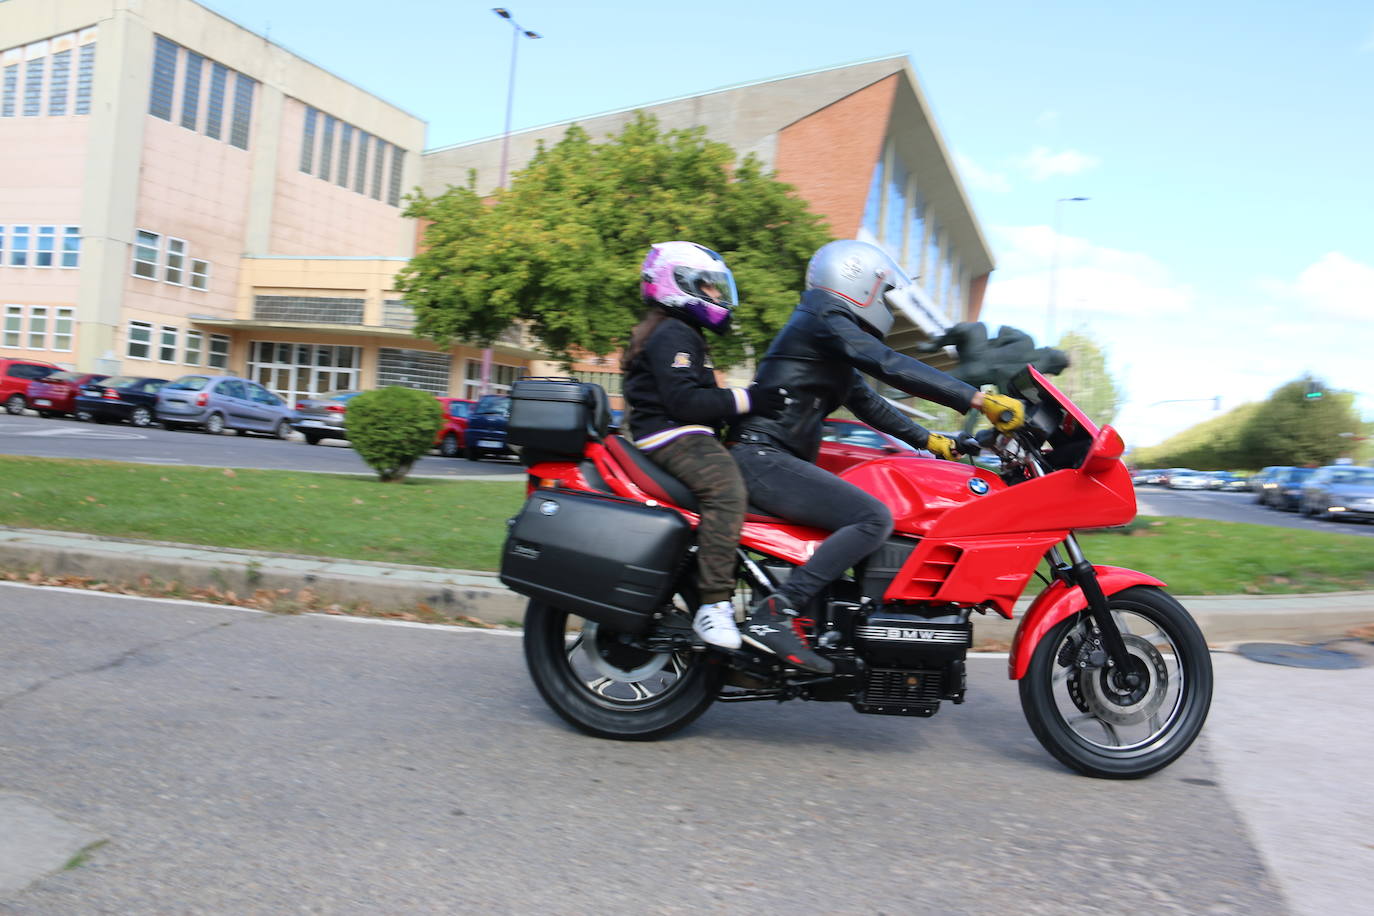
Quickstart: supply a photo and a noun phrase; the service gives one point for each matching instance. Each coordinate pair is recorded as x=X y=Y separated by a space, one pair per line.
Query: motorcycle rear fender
x=1060 y=601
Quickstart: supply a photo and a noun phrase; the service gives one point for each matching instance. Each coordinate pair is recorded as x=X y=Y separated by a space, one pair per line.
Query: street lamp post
x=516 y=34
x=1054 y=266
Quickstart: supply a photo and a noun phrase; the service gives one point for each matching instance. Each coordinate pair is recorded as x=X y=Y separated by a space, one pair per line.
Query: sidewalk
x=392 y=587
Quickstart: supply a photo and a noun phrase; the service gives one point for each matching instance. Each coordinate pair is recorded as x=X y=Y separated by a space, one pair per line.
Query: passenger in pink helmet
x=675 y=411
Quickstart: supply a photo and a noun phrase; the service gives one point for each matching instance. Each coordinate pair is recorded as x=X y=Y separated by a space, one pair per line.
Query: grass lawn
x=454 y=524
x=461 y=524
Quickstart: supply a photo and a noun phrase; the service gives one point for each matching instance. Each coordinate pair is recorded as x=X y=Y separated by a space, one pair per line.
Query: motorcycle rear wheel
x=608 y=689
x=1093 y=723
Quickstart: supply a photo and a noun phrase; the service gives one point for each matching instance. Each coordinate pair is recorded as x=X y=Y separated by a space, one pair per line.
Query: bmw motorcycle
x=1114 y=675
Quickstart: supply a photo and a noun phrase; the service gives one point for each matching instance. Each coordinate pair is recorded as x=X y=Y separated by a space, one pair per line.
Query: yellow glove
x=942 y=447
x=1005 y=413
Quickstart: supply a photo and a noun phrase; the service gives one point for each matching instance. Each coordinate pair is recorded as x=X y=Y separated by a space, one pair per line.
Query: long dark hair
x=640 y=335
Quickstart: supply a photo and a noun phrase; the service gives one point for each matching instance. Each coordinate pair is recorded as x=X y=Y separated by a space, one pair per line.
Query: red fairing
x=919 y=491
x=1064 y=401
x=1059 y=601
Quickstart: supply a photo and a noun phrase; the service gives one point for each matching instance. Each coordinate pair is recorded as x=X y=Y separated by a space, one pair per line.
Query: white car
x=1190 y=480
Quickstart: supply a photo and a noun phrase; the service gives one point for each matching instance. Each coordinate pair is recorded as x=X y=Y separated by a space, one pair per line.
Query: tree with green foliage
x=390 y=428
x=1212 y=445
x=1297 y=430
x=562 y=246
x=1087 y=382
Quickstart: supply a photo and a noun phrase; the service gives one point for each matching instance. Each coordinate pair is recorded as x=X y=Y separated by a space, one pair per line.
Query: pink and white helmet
x=690 y=282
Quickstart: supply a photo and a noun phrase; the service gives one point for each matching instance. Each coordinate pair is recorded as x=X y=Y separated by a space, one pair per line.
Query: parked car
x=219 y=402
x=1339 y=491
x=451 y=437
x=1227 y=482
x=54 y=395
x=1180 y=479
x=845 y=443
x=1144 y=476
x=128 y=398
x=15 y=376
x=1264 y=481
x=322 y=416
x=1286 y=492
x=486 y=432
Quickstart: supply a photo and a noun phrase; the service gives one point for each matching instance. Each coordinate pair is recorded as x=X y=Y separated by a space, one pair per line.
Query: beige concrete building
x=178 y=194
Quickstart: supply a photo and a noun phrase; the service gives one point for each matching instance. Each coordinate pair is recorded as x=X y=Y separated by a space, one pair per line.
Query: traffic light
x=1314 y=391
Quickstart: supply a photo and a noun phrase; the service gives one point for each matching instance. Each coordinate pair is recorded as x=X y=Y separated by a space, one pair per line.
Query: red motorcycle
x=1114 y=675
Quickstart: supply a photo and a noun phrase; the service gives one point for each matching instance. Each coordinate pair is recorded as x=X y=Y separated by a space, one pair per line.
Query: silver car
x=1339 y=491
x=215 y=403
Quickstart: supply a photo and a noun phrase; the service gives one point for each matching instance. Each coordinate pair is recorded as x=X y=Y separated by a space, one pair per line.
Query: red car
x=55 y=395
x=845 y=443
x=450 y=438
x=15 y=376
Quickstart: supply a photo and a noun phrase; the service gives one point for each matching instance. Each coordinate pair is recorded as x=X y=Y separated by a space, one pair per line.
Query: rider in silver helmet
x=833 y=339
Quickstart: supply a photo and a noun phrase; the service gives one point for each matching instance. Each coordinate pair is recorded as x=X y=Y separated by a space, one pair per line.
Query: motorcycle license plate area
x=610 y=560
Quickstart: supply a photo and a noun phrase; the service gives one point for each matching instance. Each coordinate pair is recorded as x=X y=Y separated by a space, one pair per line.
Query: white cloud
x=1335 y=286
x=1047 y=118
x=1042 y=164
x=980 y=178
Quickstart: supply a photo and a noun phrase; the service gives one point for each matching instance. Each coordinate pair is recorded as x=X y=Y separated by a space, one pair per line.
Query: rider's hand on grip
x=969 y=445
x=1005 y=413
x=767 y=402
x=942 y=447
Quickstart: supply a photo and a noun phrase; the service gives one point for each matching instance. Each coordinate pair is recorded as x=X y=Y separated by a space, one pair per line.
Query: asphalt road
x=66 y=438
x=245 y=763
x=1236 y=507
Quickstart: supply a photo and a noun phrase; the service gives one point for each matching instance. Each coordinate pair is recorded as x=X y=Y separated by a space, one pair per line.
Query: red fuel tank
x=920 y=490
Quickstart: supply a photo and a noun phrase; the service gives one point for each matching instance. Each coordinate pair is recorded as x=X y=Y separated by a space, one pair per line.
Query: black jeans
x=782 y=484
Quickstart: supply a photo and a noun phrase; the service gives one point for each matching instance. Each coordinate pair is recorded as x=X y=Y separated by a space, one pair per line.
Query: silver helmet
x=862 y=275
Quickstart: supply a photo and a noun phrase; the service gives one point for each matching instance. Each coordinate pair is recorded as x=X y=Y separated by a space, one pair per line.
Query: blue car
x=486 y=432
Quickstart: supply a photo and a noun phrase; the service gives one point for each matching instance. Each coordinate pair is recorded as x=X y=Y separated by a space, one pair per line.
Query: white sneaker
x=715 y=624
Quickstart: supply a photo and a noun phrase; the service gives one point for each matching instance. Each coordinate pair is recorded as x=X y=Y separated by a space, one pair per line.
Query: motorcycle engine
x=912 y=660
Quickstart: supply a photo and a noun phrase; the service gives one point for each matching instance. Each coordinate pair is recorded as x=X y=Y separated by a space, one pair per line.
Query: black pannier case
x=555 y=417
x=607 y=559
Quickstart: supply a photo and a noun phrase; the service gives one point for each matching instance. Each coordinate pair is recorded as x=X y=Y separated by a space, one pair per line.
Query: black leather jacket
x=818 y=357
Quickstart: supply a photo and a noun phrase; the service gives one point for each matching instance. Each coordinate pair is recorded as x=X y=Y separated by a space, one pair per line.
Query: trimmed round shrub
x=391 y=427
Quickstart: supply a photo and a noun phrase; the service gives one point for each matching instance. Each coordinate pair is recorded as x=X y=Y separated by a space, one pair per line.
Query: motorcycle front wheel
x=1094 y=721
x=599 y=682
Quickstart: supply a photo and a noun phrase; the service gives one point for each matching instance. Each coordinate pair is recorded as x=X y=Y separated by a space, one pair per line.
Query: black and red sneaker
x=772 y=627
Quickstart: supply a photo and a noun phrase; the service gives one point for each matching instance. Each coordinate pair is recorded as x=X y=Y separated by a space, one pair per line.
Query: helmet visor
x=716 y=287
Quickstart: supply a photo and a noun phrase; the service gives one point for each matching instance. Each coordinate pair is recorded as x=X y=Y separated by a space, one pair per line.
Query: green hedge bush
x=391 y=427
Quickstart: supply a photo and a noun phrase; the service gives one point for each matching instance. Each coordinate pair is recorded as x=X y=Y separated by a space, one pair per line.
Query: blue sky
x=1228 y=245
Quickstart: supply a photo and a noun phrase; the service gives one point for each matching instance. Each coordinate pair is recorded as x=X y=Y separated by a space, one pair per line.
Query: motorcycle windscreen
x=610 y=560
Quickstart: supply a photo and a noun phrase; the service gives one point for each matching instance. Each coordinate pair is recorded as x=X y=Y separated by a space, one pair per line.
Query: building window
x=894 y=221
x=164 y=78
x=59 y=78
x=62 y=330
x=318 y=309
x=190 y=90
x=360 y=175
x=420 y=369
x=2 y=246
x=397 y=314
x=304 y=370
x=195 y=342
x=176 y=261
x=71 y=246
x=200 y=274
x=915 y=233
x=874 y=205
x=932 y=258
x=219 y=351
x=393 y=193
x=33 y=87
x=327 y=147
x=140 y=340
x=19 y=246
x=502 y=377
x=214 y=105
x=242 y=116
x=345 y=147
x=146 y=246
x=609 y=381
x=167 y=347
x=14 y=325
x=45 y=247
x=308 y=141
x=378 y=155
x=10 y=91
x=85 y=77
x=38 y=327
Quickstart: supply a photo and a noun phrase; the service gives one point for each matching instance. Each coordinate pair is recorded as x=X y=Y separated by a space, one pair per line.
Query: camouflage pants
x=707 y=469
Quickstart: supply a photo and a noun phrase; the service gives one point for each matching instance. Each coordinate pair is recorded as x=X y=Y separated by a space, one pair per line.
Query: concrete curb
x=480 y=595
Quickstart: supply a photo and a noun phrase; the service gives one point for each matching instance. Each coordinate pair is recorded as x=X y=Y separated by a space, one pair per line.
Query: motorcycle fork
x=1078 y=571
